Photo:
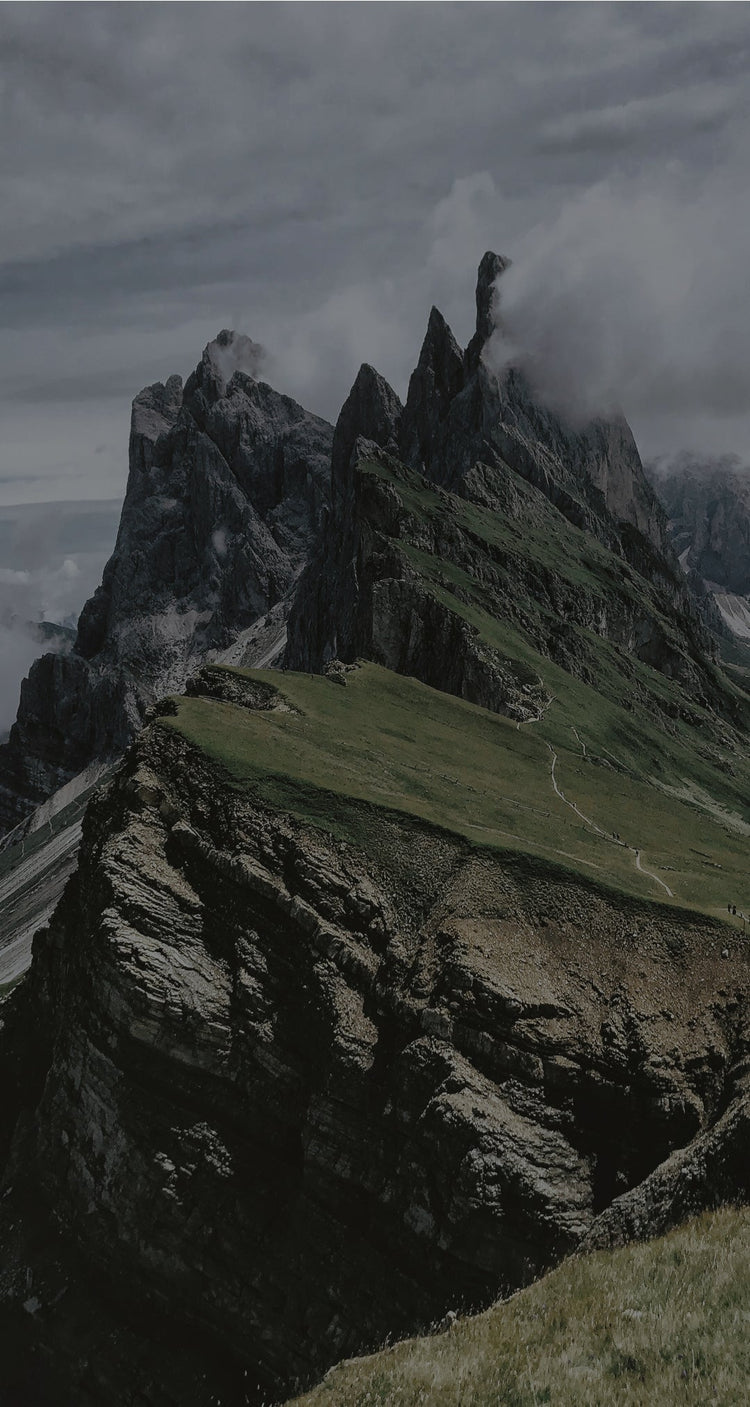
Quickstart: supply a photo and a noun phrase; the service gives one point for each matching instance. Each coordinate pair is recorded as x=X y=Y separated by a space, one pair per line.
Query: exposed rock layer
x=286 y=1097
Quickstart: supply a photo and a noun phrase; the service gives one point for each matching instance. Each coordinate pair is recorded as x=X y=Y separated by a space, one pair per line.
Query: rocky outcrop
x=472 y=433
x=362 y=597
x=324 y=617
x=271 y=1095
x=420 y=578
x=463 y=408
x=227 y=486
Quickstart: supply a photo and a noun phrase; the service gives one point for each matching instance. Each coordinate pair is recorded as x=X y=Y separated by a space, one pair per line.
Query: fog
x=635 y=299
x=317 y=177
x=51 y=560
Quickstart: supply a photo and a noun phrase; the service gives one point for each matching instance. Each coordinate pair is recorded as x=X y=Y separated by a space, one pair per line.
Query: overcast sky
x=317 y=175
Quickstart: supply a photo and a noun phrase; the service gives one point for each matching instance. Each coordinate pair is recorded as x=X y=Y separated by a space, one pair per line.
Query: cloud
x=313 y=177
x=18 y=650
x=634 y=297
x=51 y=559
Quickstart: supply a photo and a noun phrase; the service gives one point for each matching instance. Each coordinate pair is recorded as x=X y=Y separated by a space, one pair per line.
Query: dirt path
x=606 y=835
x=586 y=819
x=650 y=873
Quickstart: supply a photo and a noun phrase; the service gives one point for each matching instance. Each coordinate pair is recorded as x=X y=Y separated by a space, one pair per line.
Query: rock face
x=460 y=409
x=472 y=434
x=286 y=1096
x=227 y=485
x=708 y=505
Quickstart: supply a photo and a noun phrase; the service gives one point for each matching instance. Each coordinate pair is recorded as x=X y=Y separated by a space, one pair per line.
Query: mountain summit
x=227 y=484
x=474 y=435
x=391 y=977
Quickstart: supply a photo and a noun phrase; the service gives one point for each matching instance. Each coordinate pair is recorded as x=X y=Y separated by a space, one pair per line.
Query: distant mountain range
x=708 y=504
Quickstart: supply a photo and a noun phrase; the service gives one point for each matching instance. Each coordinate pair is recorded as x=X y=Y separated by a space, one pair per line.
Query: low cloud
x=51 y=560
x=634 y=298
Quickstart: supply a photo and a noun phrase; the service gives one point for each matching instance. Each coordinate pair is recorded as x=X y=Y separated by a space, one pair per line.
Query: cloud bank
x=635 y=298
x=317 y=176
x=51 y=560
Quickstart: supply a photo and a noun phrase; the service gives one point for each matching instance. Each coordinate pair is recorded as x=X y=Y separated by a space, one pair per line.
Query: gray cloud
x=316 y=176
x=634 y=297
x=51 y=559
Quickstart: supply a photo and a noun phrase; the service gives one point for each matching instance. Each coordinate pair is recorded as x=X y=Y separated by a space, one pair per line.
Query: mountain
x=347 y=1019
x=391 y=976
x=474 y=490
x=227 y=483
x=708 y=505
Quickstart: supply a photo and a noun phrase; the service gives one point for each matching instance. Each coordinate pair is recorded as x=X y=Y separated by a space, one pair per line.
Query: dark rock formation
x=227 y=485
x=270 y=1097
x=460 y=409
x=474 y=433
x=324 y=624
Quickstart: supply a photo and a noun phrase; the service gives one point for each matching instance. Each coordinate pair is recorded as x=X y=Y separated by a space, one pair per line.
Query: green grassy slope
x=511 y=585
x=393 y=742
x=662 y=1323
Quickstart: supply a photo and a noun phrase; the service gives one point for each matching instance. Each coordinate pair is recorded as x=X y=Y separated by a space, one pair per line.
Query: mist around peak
x=631 y=299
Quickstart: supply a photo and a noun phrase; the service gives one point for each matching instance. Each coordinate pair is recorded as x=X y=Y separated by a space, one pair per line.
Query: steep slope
x=547 y=527
x=662 y=1323
x=312 y=1053
x=228 y=480
x=465 y=591
x=461 y=408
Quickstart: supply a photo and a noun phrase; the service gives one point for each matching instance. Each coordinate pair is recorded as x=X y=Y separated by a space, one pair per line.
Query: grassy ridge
x=662 y=1323
x=393 y=742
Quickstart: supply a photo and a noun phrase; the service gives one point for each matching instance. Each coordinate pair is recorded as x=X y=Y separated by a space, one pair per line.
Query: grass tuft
x=658 y=1323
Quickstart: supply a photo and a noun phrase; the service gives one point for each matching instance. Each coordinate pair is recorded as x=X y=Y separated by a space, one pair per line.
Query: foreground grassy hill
x=662 y=1323
x=392 y=742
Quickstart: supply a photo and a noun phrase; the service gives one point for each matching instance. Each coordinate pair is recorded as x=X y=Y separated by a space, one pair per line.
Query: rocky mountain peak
x=227 y=353
x=371 y=411
x=436 y=380
x=228 y=484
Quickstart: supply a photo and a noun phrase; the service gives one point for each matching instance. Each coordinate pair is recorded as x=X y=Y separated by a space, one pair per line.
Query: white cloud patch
x=64 y=547
x=635 y=298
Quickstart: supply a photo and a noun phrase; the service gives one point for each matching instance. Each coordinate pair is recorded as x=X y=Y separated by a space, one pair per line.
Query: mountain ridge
x=390 y=976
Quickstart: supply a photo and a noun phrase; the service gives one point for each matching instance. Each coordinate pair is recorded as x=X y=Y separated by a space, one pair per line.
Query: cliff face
x=273 y=1094
x=453 y=588
x=708 y=505
x=228 y=480
x=461 y=409
x=471 y=436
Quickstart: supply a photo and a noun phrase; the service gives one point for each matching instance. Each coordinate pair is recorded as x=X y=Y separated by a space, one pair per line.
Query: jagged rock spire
x=490 y=269
x=226 y=353
x=371 y=411
x=437 y=378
